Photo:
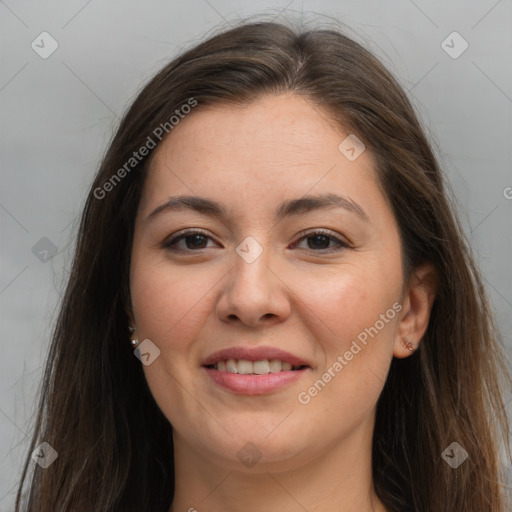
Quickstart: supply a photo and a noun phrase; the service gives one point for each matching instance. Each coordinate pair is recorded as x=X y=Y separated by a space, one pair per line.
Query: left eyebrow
x=320 y=202
x=288 y=208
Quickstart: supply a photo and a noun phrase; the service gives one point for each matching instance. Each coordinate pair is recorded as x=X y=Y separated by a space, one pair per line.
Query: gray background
x=59 y=113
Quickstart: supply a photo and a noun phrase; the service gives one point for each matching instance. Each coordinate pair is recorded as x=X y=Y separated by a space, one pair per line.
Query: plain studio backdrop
x=70 y=69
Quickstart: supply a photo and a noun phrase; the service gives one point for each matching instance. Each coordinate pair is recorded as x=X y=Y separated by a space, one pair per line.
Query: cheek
x=355 y=345
x=349 y=300
x=168 y=304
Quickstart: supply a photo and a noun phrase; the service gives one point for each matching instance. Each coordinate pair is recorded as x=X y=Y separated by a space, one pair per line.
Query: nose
x=254 y=293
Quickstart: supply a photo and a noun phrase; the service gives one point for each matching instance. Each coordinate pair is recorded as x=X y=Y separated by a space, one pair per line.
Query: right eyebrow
x=288 y=208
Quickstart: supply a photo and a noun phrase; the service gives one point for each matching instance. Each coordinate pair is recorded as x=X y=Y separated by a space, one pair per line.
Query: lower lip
x=254 y=384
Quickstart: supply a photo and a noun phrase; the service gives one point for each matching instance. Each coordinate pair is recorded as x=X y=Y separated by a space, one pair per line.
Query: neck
x=338 y=480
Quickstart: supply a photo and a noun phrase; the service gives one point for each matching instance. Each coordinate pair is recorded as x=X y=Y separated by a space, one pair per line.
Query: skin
x=296 y=296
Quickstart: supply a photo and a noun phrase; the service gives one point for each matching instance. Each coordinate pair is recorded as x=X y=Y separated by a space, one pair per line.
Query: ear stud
x=133 y=342
x=408 y=345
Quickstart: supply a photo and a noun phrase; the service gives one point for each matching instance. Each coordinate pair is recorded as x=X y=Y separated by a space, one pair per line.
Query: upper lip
x=254 y=354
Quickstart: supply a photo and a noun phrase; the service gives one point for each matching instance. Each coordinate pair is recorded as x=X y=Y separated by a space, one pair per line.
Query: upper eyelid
x=342 y=240
x=300 y=236
x=322 y=231
x=184 y=233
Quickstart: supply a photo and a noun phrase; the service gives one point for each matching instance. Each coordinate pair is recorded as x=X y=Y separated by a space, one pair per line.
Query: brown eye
x=322 y=241
x=187 y=241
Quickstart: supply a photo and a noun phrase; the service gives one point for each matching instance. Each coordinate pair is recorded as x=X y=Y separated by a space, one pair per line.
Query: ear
x=131 y=319
x=419 y=295
x=126 y=301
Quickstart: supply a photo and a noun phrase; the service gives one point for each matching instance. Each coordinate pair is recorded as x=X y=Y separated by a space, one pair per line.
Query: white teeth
x=231 y=366
x=245 y=367
x=275 y=366
x=261 y=367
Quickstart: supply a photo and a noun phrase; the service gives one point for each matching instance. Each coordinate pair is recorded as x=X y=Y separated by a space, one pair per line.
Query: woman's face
x=292 y=247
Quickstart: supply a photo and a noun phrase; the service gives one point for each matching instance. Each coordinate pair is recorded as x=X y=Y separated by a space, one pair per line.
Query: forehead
x=284 y=126
x=272 y=148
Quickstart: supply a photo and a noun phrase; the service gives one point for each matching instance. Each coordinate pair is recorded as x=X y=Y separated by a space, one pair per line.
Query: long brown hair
x=114 y=445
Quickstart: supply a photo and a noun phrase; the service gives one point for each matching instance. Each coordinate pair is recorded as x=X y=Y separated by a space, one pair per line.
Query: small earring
x=133 y=342
x=408 y=345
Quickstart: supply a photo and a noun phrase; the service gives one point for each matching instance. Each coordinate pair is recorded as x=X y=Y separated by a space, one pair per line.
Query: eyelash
x=169 y=243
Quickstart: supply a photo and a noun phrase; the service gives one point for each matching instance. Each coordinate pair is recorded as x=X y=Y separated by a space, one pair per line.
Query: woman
x=272 y=304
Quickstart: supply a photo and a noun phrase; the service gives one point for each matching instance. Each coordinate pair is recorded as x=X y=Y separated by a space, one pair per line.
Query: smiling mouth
x=261 y=367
